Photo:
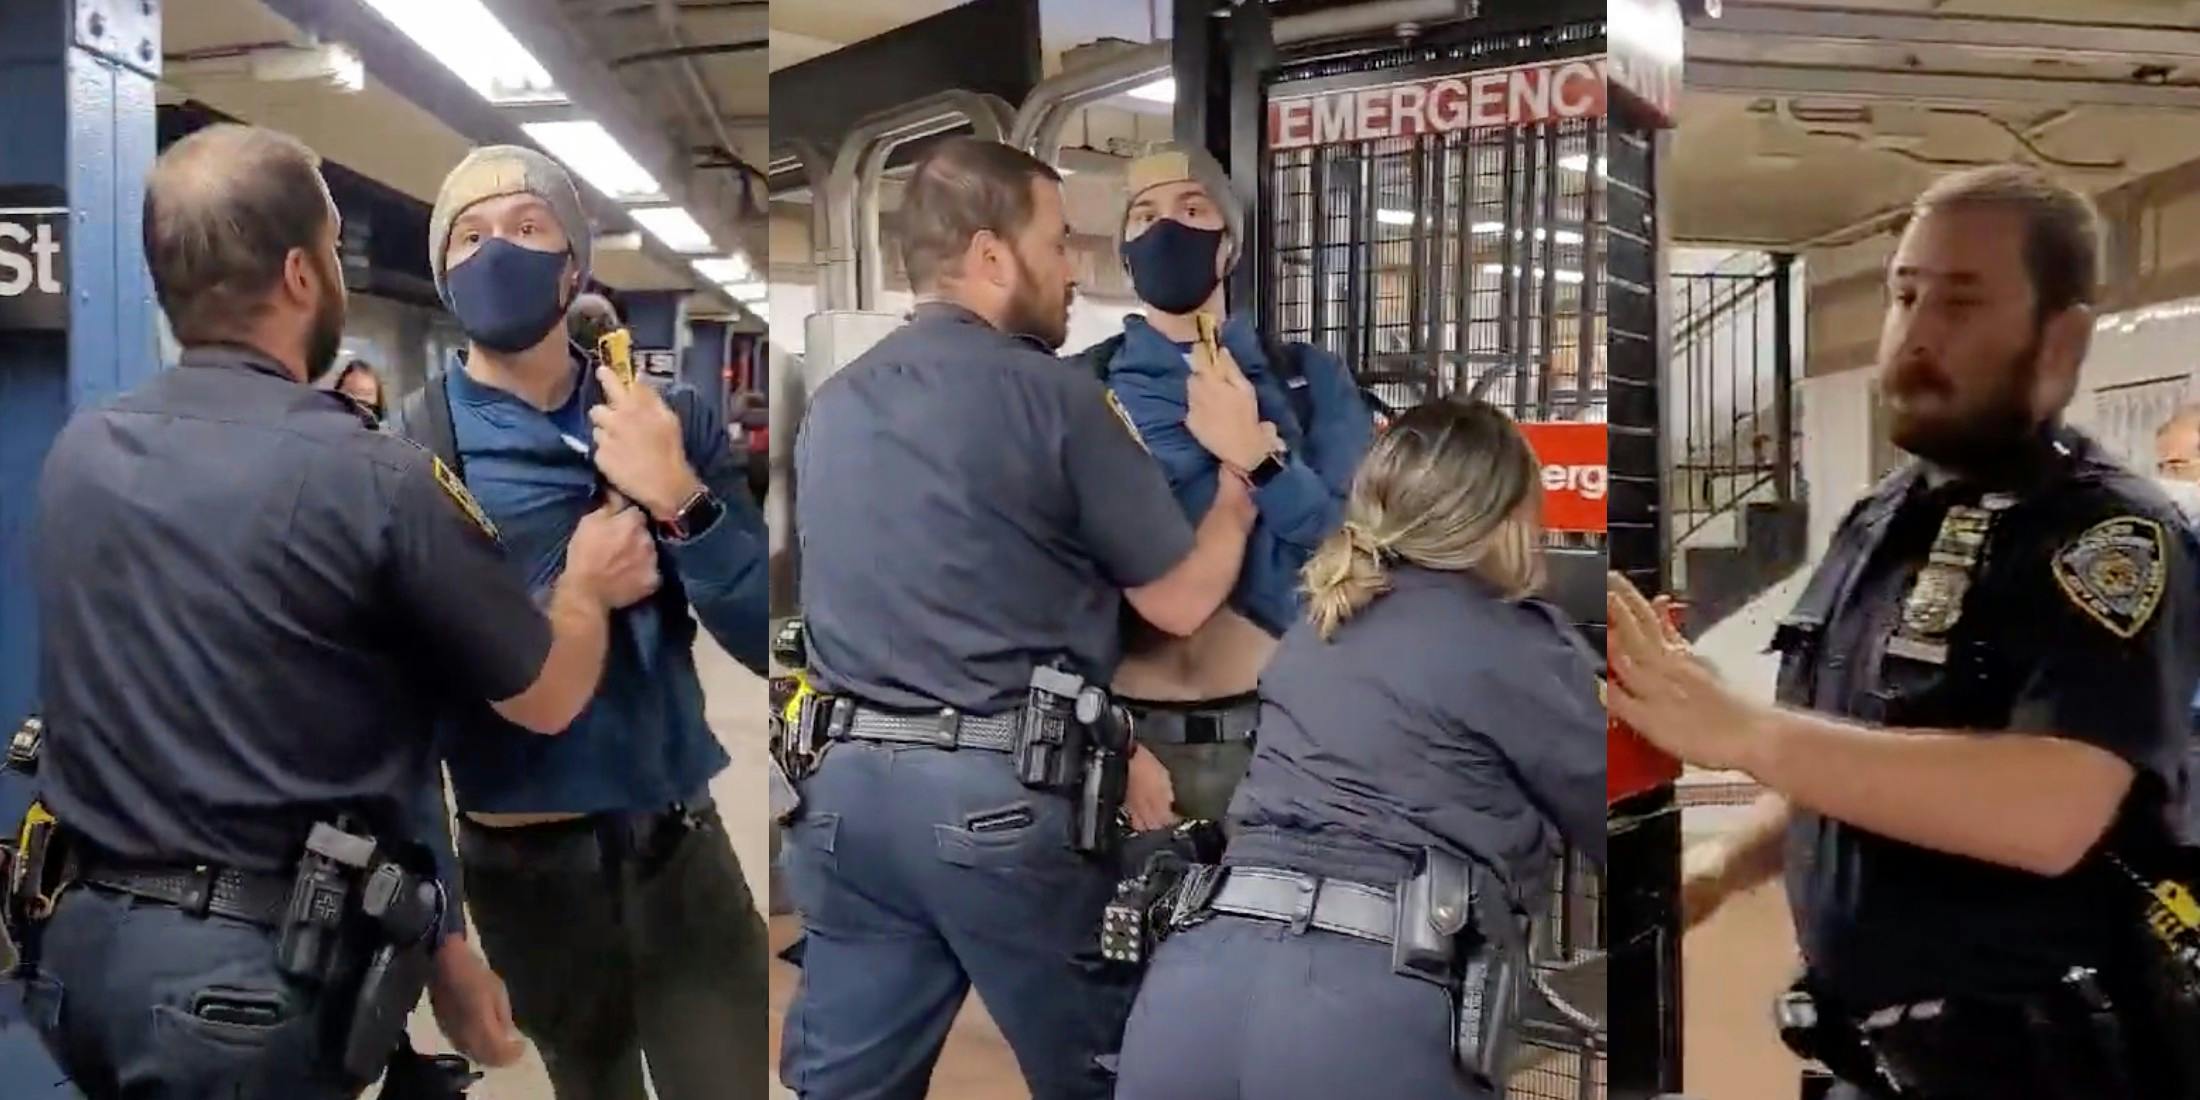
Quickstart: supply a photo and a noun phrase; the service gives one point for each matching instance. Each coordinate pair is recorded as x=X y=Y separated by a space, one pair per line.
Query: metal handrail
x=1038 y=126
x=850 y=272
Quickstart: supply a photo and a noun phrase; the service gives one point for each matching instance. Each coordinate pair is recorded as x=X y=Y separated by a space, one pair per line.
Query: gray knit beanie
x=1176 y=162
x=494 y=171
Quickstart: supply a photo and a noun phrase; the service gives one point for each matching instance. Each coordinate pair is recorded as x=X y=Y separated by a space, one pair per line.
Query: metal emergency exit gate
x=1434 y=215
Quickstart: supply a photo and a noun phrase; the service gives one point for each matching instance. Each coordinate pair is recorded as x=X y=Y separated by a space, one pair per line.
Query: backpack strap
x=1096 y=358
x=425 y=418
x=1284 y=360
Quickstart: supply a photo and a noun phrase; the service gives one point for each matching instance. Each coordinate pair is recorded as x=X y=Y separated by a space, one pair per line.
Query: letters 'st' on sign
x=34 y=293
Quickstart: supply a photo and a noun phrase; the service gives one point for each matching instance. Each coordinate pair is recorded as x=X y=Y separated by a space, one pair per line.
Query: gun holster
x=1817 y=1030
x=1455 y=927
x=1155 y=864
x=412 y=1075
x=402 y=911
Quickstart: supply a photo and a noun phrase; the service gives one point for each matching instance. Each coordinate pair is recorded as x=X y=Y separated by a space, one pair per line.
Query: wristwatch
x=694 y=517
x=1267 y=470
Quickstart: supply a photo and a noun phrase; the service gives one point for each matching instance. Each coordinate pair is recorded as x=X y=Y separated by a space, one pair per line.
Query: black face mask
x=507 y=296
x=1173 y=265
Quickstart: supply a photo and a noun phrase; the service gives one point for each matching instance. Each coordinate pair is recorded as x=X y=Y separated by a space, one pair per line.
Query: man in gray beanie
x=1183 y=231
x=597 y=869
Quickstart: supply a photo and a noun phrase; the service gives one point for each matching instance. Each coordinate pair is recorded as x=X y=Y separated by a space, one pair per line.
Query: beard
x=1033 y=312
x=326 y=336
x=1971 y=440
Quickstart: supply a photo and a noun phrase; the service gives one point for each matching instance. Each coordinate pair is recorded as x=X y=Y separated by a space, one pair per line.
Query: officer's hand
x=1222 y=412
x=611 y=557
x=472 y=1007
x=1661 y=690
x=1149 y=797
x=639 y=446
x=1703 y=883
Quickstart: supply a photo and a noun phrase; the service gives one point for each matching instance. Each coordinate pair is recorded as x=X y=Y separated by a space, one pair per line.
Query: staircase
x=1720 y=579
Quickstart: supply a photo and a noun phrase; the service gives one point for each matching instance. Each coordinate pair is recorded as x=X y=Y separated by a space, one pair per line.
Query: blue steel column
x=77 y=78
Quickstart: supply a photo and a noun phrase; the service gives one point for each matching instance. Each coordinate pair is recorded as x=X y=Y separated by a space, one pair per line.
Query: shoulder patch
x=456 y=490
x=2115 y=572
x=1124 y=415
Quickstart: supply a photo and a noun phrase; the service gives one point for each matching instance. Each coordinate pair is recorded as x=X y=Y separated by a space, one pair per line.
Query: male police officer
x=972 y=513
x=1961 y=899
x=250 y=602
x=599 y=872
x=1193 y=697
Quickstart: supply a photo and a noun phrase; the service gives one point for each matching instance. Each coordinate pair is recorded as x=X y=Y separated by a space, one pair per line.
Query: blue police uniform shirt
x=971 y=507
x=251 y=604
x=1881 y=921
x=1298 y=507
x=642 y=742
x=1440 y=716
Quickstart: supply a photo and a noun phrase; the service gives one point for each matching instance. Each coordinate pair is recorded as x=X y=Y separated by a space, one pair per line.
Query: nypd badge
x=456 y=490
x=2115 y=573
x=1124 y=415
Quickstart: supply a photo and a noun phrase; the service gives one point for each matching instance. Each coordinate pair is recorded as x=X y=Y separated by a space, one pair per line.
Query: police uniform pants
x=1204 y=776
x=1237 y=1008
x=919 y=874
x=614 y=959
x=142 y=1001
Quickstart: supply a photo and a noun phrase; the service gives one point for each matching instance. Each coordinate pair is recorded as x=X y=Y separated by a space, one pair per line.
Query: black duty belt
x=947 y=729
x=1172 y=724
x=1308 y=901
x=255 y=898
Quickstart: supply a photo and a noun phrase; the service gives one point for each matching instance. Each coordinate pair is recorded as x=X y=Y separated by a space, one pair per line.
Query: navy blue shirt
x=251 y=604
x=1298 y=507
x=1881 y=921
x=970 y=507
x=642 y=743
x=1440 y=716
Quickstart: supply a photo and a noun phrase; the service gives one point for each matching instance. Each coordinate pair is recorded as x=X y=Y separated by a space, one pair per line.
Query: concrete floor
x=735 y=706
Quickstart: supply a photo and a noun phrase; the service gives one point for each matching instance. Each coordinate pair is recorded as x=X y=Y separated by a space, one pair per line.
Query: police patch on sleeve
x=2115 y=573
x=456 y=490
x=1124 y=415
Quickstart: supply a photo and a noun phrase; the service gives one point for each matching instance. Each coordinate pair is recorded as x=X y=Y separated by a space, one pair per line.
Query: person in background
x=588 y=319
x=1192 y=698
x=1424 y=704
x=357 y=379
x=599 y=871
x=2177 y=462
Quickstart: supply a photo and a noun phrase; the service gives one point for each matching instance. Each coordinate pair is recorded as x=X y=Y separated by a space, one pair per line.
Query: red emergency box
x=1631 y=764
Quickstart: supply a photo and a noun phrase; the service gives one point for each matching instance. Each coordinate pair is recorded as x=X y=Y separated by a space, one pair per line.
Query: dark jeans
x=619 y=954
x=141 y=1001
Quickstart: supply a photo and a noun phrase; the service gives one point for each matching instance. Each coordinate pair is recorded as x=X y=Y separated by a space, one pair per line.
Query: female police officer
x=1423 y=706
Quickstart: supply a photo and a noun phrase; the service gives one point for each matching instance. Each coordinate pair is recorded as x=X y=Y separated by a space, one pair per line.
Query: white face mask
x=2184 y=494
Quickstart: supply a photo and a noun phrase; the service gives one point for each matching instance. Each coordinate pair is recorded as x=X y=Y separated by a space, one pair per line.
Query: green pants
x=1204 y=776
x=614 y=959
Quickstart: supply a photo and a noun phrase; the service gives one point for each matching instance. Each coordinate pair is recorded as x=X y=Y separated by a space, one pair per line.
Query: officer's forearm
x=579 y=634
x=2034 y=803
x=1756 y=849
x=1187 y=596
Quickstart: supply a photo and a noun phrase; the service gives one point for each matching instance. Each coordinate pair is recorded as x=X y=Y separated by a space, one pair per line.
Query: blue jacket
x=641 y=744
x=1298 y=507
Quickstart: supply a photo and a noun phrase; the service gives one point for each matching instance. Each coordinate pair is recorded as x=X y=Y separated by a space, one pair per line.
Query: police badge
x=2115 y=573
x=1935 y=603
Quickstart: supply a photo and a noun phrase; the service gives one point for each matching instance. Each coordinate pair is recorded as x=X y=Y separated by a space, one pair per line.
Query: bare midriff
x=1220 y=659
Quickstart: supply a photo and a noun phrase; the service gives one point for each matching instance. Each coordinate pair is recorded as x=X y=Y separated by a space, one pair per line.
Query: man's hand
x=639 y=447
x=1705 y=884
x=472 y=1007
x=1223 y=413
x=1150 y=798
x=1234 y=496
x=611 y=557
x=1665 y=693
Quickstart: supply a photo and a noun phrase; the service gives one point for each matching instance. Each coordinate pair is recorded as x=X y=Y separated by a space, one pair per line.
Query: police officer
x=250 y=602
x=970 y=512
x=1193 y=697
x=1967 y=924
x=1424 y=704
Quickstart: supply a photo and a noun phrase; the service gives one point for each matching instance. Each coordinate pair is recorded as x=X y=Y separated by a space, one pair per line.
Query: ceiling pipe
x=1358 y=19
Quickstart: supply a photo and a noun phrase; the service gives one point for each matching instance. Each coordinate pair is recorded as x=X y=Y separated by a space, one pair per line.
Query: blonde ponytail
x=1343 y=576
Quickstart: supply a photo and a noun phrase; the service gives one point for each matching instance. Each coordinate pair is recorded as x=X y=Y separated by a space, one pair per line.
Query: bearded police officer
x=973 y=515
x=1999 y=649
x=250 y=601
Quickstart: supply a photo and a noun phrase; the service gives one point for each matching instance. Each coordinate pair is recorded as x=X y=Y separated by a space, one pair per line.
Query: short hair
x=961 y=186
x=2062 y=229
x=223 y=208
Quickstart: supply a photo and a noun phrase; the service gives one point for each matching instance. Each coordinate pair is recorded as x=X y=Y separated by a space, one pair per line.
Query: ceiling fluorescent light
x=471 y=43
x=1160 y=91
x=674 y=226
x=589 y=149
x=1394 y=217
x=748 y=292
x=729 y=269
x=1579 y=162
x=1564 y=275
